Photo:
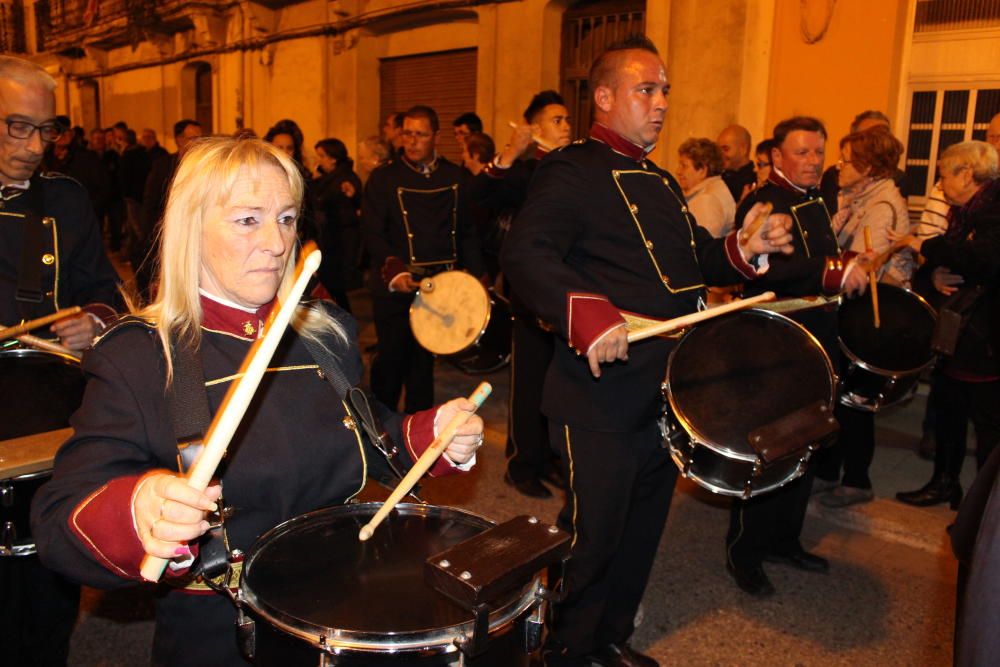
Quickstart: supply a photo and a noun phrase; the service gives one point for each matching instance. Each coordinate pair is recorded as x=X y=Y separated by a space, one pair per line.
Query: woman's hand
x=912 y=241
x=168 y=513
x=945 y=281
x=468 y=437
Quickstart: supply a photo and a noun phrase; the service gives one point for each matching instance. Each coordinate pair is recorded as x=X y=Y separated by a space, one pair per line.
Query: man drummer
x=605 y=231
x=415 y=224
x=808 y=283
x=50 y=241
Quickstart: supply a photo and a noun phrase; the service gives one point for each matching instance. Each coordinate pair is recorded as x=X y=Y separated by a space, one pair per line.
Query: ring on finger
x=163 y=502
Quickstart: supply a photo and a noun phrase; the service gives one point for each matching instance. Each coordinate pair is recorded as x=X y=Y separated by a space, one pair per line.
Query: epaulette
x=125 y=322
x=59 y=176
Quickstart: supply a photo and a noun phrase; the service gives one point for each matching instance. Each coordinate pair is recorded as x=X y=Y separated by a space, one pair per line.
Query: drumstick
x=47 y=345
x=872 y=278
x=748 y=233
x=694 y=318
x=241 y=391
x=425 y=461
x=534 y=137
x=17 y=330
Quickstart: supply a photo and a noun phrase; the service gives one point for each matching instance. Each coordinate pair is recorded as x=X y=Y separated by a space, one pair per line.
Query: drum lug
x=534 y=624
x=246 y=634
x=476 y=645
x=8 y=539
x=6 y=495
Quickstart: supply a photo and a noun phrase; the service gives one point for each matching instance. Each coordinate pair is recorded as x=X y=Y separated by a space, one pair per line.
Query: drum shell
x=491 y=351
x=40 y=391
x=868 y=382
x=728 y=465
x=286 y=636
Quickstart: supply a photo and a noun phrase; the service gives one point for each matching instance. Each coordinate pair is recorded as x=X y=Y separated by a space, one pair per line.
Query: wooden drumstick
x=748 y=233
x=425 y=461
x=47 y=345
x=872 y=278
x=17 y=330
x=241 y=391
x=700 y=316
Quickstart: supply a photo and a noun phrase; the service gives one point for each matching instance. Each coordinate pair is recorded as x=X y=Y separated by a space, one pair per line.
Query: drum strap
x=29 y=275
x=359 y=405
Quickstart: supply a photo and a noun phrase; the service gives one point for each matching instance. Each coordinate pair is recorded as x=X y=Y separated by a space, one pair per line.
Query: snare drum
x=39 y=390
x=884 y=365
x=319 y=596
x=749 y=399
x=453 y=315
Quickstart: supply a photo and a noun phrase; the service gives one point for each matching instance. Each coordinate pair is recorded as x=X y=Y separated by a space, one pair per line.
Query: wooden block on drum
x=791 y=434
x=501 y=559
x=30 y=453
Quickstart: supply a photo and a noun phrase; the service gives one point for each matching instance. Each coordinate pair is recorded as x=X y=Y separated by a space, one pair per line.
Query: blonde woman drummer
x=227 y=257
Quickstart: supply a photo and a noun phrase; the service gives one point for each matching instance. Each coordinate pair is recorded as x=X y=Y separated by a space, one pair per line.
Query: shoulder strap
x=29 y=275
x=189 y=410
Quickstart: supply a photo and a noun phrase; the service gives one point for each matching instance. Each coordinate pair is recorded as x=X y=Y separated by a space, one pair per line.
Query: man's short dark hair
x=397 y=119
x=120 y=125
x=470 y=120
x=870 y=114
x=604 y=70
x=480 y=146
x=539 y=102
x=183 y=124
x=425 y=112
x=765 y=148
x=803 y=123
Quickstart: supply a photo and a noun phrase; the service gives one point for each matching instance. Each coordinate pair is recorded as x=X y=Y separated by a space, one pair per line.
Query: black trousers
x=768 y=524
x=619 y=491
x=528 y=450
x=955 y=401
x=37 y=612
x=854 y=451
x=401 y=362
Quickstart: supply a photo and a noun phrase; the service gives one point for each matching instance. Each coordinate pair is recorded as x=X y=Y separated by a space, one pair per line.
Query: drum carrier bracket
x=790 y=434
x=478 y=571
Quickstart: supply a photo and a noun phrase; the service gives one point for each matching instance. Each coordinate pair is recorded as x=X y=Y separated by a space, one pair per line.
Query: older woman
x=708 y=197
x=969 y=380
x=868 y=200
x=227 y=257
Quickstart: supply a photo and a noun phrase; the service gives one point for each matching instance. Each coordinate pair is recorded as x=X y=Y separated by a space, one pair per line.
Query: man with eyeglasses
x=51 y=257
x=416 y=224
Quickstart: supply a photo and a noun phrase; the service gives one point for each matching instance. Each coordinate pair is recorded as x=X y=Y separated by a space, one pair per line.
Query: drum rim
x=482 y=331
x=340 y=641
x=20 y=351
x=797 y=470
x=700 y=438
x=884 y=372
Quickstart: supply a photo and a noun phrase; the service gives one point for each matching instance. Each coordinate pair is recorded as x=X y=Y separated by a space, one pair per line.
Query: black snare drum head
x=901 y=344
x=38 y=391
x=734 y=374
x=313 y=571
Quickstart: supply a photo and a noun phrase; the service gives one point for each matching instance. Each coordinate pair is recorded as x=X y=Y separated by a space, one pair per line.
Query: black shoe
x=752 y=580
x=529 y=487
x=935 y=492
x=620 y=655
x=800 y=559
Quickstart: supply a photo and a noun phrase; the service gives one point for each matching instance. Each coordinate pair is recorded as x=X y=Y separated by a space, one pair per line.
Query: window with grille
x=589 y=28
x=942 y=117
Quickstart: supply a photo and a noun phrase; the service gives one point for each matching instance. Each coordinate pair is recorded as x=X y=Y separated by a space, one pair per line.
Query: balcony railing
x=12 y=33
x=937 y=15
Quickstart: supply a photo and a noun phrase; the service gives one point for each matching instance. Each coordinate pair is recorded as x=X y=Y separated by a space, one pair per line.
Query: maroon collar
x=618 y=143
x=779 y=180
x=228 y=319
x=540 y=152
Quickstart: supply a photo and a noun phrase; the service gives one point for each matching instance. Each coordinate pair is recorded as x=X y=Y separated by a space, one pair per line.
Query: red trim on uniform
x=103 y=524
x=493 y=171
x=589 y=316
x=102 y=311
x=540 y=152
x=735 y=257
x=777 y=179
x=220 y=317
x=418 y=434
x=391 y=268
x=834 y=270
x=618 y=143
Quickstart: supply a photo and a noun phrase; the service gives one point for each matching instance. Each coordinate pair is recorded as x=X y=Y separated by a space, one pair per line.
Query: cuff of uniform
x=494 y=170
x=103 y=312
x=418 y=434
x=834 y=271
x=735 y=257
x=103 y=525
x=589 y=317
x=391 y=268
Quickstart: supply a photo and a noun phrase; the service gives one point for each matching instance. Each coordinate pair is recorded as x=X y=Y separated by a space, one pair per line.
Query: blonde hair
x=204 y=179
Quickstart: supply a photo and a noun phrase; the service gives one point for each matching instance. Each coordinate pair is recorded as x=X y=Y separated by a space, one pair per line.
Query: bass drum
x=39 y=390
x=319 y=596
x=883 y=365
x=729 y=378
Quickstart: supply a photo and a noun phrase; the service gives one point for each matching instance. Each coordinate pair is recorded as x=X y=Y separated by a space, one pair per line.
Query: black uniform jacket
x=292 y=454
x=605 y=230
x=417 y=218
x=75 y=270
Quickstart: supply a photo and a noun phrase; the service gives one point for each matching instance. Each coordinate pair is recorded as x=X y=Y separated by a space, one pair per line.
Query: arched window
x=196 y=100
x=90 y=104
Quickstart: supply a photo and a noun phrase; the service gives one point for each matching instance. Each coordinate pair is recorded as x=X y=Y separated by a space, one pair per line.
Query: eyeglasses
x=841 y=162
x=413 y=134
x=761 y=164
x=22 y=129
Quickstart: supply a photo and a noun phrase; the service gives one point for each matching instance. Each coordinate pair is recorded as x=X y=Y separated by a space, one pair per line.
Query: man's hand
x=404 y=282
x=520 y=141
x=76 y=332
x=774 y=235
x=612 y=347
x=945 y=281
x=856 y=281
